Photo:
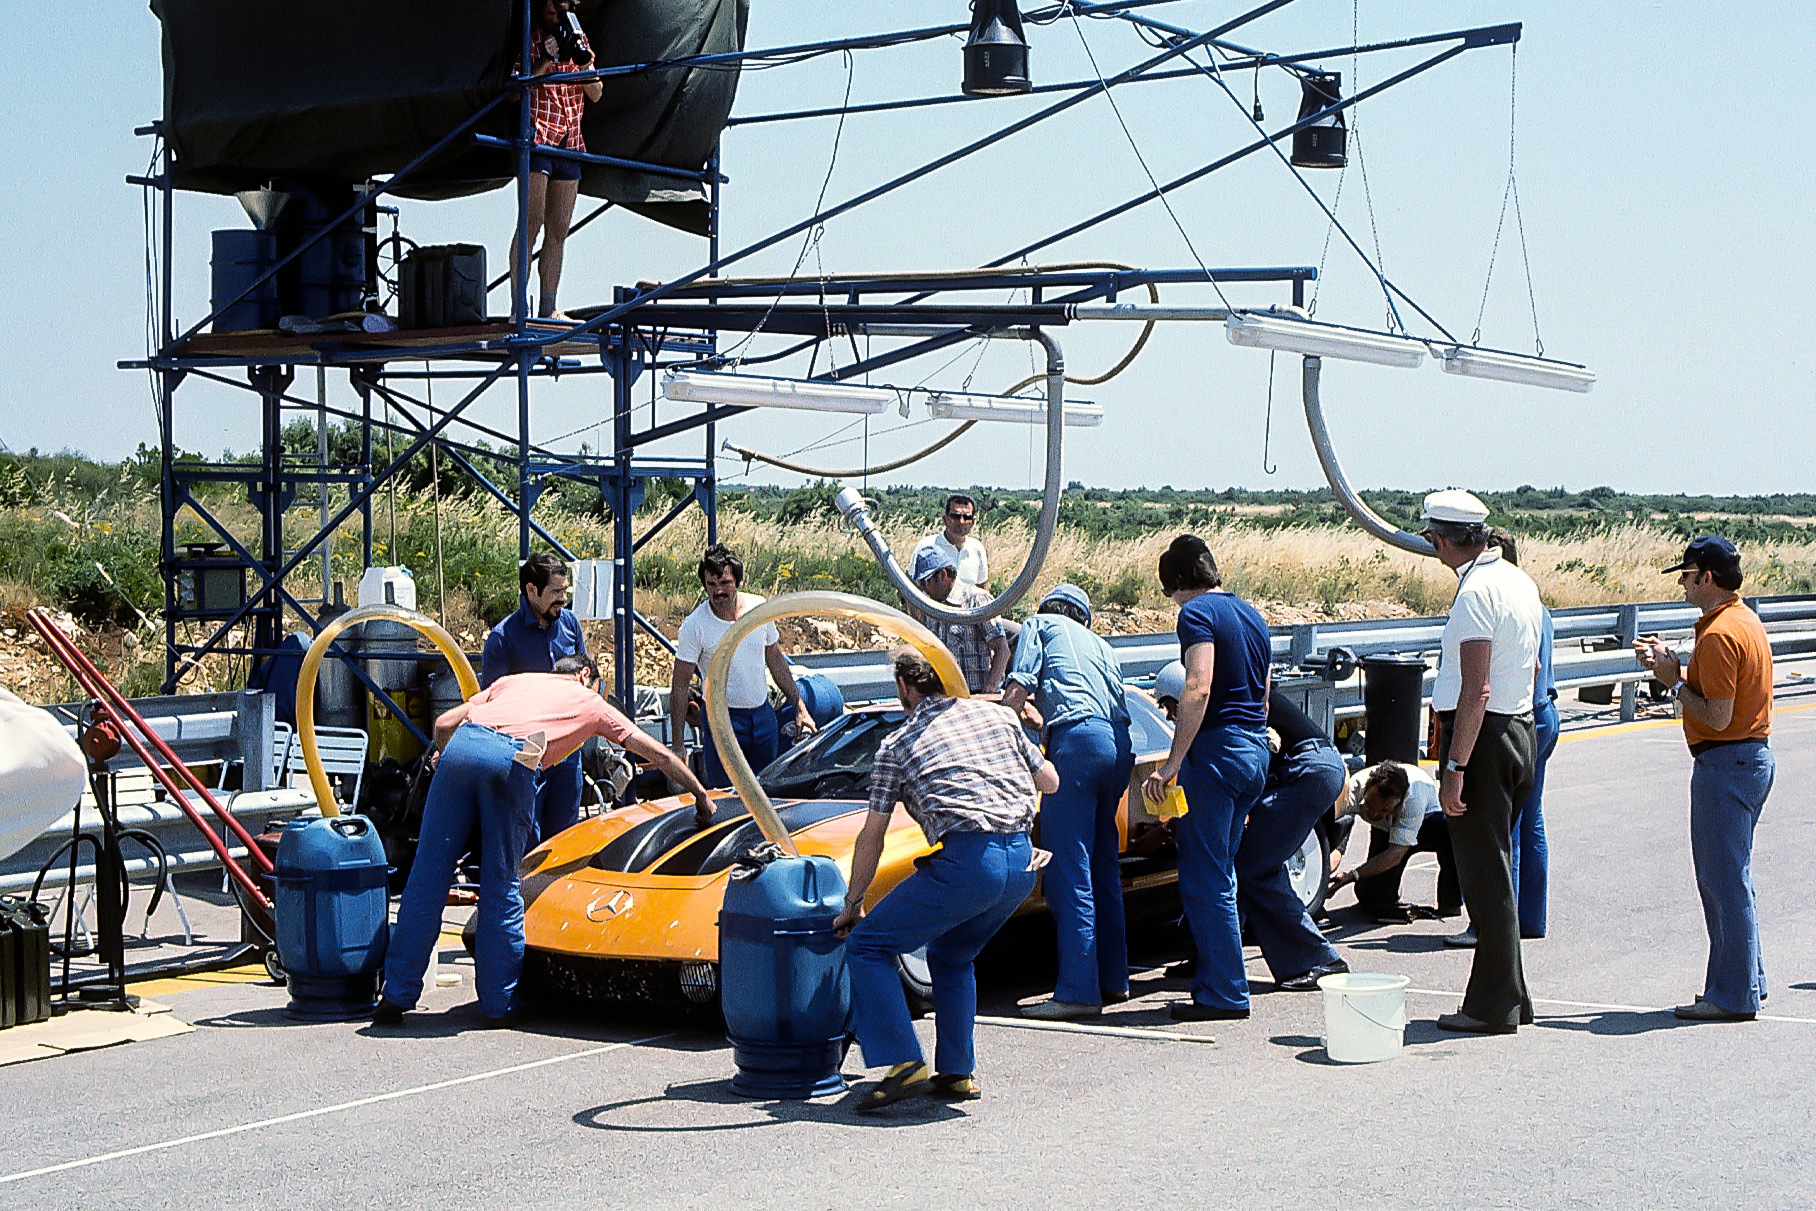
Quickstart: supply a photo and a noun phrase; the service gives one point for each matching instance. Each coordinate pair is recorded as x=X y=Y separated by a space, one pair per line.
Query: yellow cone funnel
x=795 y=605
x=312 y=663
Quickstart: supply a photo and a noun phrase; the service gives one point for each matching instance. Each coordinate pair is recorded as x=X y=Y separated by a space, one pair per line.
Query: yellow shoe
x=956 y=1087
x=903 y=1080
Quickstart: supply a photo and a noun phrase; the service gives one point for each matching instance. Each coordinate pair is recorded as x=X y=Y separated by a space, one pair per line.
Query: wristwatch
x=1453 y=767
x=1677 y=691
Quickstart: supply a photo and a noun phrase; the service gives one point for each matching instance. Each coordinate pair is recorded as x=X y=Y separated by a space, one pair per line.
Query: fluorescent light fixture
x=946 y=405
x=752 y=391
x=1516 y=368
x=1286 y=331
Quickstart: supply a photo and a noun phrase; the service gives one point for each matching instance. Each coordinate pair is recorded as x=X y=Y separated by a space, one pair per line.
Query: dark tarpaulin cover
x=350 y=89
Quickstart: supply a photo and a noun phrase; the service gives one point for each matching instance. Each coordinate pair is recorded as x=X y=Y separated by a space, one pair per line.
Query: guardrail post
x=1627 y=630
x=1304 y=643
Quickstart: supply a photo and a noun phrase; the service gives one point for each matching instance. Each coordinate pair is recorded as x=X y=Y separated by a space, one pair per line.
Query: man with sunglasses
x=1726 y=695
x=956 y=541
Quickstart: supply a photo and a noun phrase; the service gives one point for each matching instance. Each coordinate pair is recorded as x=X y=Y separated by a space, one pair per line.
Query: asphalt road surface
x=1606 y=1101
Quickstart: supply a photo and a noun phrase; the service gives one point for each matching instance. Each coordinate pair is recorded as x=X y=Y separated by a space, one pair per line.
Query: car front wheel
x=1308 y=871
x=917 y=982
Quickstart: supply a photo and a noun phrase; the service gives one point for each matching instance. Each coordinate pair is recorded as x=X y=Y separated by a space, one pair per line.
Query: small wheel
x=274 y=966
x=1309 y=872
x=917 y=982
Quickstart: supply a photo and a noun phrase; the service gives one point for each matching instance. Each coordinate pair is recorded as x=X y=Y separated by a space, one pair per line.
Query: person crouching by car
x=970 y=777
x=1399 y=803
x=492 y=749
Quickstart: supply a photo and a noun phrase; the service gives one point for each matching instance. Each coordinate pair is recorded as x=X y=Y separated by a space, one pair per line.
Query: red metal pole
x=70 y=652
x=92 y=683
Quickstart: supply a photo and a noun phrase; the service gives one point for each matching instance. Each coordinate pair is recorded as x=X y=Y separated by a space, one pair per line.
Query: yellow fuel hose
x=312 y=663
x=799 y=605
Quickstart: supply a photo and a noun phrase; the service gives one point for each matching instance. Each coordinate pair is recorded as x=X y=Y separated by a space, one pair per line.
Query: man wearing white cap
x=1487 y=747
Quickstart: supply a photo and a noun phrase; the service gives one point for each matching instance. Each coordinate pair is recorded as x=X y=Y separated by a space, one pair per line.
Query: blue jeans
x=1302 y=792
x=1083 y=882
x=759 y=739
x=558 y=799
x=1728 y=788
x=1223 y=776
x=475 y=780
x=1531 y=856
x=953 y=904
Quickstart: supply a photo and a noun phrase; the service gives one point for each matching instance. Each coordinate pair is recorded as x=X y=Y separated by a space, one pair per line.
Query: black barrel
x=240 y=255
x=1393 y=689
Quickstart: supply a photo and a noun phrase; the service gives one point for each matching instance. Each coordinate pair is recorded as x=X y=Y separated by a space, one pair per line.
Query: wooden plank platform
x=407 y=345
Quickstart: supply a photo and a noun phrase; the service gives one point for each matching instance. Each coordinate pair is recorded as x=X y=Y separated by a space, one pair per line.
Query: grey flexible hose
x=1365 y=517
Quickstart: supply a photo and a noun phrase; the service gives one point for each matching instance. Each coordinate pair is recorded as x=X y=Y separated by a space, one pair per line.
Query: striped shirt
x=958 y=765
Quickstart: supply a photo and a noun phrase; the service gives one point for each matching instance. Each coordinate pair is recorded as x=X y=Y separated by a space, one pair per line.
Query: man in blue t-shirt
x=1220 y=757
x=540 y=631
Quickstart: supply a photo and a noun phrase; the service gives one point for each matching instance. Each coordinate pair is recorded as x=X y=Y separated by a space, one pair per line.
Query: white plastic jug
x=388 y=586
x=1364 y=1016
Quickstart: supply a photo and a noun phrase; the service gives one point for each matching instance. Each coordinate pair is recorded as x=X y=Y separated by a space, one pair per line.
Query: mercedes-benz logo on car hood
x=606 y=907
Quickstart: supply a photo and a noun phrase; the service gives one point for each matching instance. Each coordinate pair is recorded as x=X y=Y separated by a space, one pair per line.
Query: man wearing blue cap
x=981 y=648
x=1726 y=695
x=1076 y=683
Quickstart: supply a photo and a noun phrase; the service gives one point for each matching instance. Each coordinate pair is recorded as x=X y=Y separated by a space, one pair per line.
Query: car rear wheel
x=1308 y=871
x=917 y=982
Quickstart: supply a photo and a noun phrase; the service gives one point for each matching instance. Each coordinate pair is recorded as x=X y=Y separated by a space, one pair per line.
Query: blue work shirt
x=1071 y=672
x=1244 y=651
x=1544 y=686
x=521 y=644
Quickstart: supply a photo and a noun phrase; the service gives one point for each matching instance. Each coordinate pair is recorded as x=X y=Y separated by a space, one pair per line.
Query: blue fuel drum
x=332 y=919
x=783 y=985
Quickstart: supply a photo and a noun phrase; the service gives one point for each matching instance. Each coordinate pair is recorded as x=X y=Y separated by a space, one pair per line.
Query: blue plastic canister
x=332 y=919
x=783 y=986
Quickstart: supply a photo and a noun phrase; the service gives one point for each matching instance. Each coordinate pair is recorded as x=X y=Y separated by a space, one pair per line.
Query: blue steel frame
x=677 y=320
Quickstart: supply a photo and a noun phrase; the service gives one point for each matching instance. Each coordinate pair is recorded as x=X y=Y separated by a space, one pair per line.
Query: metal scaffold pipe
x=852 y=505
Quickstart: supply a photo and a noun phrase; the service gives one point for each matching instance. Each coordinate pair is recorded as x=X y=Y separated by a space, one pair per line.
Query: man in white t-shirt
x=955 y=540
x=753 y=720
x=1487 y=747
x=1399 y=803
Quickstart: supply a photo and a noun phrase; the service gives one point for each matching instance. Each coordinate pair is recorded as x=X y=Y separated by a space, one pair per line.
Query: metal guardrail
x=1593 y=646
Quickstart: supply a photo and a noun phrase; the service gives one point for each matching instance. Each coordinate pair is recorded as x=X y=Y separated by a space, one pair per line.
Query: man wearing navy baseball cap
x=1726 y=695
x=981 y=648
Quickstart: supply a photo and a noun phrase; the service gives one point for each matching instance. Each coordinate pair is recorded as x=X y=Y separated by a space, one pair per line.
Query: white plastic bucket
x=1364 y=1016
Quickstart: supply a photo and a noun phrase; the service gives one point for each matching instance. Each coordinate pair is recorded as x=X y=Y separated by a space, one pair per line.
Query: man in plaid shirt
x=971 y=778
x=554 y=181
x=981 y=648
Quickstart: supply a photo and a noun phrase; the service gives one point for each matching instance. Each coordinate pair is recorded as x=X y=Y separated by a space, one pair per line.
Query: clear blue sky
x=1664 y=163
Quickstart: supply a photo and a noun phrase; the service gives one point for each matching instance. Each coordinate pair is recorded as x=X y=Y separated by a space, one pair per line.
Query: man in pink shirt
x=492 y=751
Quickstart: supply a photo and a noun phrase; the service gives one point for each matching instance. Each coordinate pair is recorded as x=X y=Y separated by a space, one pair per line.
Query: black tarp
x=350 y=89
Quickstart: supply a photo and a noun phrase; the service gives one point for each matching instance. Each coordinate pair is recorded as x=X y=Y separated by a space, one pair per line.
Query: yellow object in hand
x=1173 y=805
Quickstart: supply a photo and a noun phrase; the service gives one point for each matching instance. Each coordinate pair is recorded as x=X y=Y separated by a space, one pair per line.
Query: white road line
x=321 y=1110
x=1764 y=1017
x=1118 y=1032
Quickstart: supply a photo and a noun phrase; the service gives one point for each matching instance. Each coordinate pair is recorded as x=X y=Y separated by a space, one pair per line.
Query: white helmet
x=1170 y=682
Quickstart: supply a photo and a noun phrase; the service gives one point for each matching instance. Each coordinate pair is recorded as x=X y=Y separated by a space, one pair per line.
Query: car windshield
x=835 y=761
x=1149 y=731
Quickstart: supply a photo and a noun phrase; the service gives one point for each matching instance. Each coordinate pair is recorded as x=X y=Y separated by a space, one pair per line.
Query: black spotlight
x=1322 y=145
x=996 y=54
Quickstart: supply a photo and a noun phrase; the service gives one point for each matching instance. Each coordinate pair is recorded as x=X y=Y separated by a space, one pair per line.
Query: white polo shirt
x=1497 y=602
x=973 y=564
x=747 y=685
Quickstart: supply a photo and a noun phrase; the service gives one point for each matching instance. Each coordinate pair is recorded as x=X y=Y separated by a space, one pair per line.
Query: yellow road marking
x=1642 y=725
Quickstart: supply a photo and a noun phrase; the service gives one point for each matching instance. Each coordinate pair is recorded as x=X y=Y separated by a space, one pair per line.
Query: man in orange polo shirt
x=1726 y=694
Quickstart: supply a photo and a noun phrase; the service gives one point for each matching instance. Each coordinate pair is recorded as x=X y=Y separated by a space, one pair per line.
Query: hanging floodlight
x=1516 y=368
x=752 y=391
x=1290 y=332
x=1322 y=144
x=947 y=405
x=996 y=54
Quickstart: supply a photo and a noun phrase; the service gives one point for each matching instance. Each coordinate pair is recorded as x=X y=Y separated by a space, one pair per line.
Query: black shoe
x=1391 y=914
x=903 y=1080
x=388 y=1013
x=1192 y=1011
x=1462 y=1023
x=1308 y=981
x=1116 y=998
x=1185 y=969
x=1700 y=1010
